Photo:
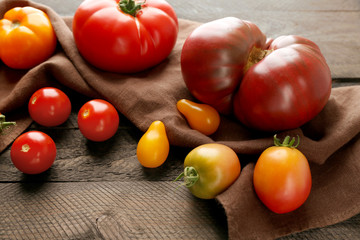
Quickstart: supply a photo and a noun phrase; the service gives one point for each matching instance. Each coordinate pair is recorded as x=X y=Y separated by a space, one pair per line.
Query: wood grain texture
x=100 y=191
x=107 y=210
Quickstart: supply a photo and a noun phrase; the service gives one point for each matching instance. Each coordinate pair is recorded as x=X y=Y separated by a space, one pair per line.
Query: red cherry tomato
x=49 y=107
x=98 y=120
x=282 y=177
x=33 y=152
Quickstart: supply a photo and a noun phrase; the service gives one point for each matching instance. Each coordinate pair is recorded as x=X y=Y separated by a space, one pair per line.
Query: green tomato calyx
x=3 y=124
x=130 y=6
x=287 y=142
x=190 y=175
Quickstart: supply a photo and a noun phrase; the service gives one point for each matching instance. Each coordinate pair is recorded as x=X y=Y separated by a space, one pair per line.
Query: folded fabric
x=330 y=141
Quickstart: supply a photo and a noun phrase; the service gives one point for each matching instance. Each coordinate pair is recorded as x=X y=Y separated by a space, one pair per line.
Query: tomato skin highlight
x=282 y=179
x=27 y=37
x=217 y=167
x=98 y=120
x=33 y=152
x=201 y=117
x=153 y=147
x=49 y=107
x=113 y=40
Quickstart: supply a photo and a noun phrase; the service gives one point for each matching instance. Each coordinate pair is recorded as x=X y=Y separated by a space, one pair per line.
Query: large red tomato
x=269 y=85
x=125 y=36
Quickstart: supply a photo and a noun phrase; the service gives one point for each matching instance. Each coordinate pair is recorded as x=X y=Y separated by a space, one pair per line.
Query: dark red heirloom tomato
x=125 y=36
x=268 y=85
x=49 y=107
x=33 y=152
x=98 y=120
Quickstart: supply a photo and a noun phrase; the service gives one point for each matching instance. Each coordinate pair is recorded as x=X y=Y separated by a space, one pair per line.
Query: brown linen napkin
x=330 y=141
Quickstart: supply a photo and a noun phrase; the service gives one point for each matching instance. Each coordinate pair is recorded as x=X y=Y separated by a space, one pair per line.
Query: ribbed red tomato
x=268 y=84
x=125 y=36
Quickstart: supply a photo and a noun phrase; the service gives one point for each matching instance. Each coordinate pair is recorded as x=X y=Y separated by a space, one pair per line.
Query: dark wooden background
x=100 y=191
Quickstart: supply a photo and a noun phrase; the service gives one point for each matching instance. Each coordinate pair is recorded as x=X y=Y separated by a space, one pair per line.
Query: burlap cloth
x=330 y=141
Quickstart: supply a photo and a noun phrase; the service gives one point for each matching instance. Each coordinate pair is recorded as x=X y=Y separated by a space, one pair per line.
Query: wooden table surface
x=100 y=191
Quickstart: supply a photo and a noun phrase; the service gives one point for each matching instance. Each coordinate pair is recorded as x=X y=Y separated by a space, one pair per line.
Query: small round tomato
x=27 y=37
x=49 y=107
x=33 y=152
x=282 y=177
x=210 y=169
x=98 y=120
x=201 y=117
x=153 y=147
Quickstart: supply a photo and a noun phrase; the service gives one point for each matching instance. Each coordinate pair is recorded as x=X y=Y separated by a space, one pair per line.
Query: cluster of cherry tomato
x=34 y=152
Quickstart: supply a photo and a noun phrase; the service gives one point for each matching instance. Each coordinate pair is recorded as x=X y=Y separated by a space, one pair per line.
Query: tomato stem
x=130 y=7
x=15 y=24
x=4 y=124
x=287 y=142
x=255 y=56
x=190 y=176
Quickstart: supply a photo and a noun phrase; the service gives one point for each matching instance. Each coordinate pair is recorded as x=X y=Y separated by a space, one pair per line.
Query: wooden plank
x=204 y=7
x=107 y=210
x=81 y=160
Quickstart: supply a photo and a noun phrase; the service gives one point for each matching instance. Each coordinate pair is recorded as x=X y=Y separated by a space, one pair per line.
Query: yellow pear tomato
x=153 y=146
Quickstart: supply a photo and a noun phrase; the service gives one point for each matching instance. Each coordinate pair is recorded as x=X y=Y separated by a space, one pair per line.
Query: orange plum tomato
x=27 y=37
x=98 y=120
x=153 y=146
x=33 y=152
x=201 y=117
x=282 y=177
x=49 y=107
x=210 y=169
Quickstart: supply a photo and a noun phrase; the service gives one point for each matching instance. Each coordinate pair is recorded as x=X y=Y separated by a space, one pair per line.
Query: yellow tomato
x=153 y=146
x=201 y=117
x=27 y=37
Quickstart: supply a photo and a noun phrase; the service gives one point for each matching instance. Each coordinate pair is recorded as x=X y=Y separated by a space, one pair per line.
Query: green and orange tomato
x=210 y=169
